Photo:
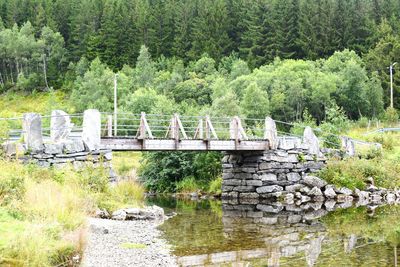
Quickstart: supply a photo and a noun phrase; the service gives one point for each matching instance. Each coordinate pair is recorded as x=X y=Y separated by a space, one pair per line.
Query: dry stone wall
x=61 y=150
x=266 y=174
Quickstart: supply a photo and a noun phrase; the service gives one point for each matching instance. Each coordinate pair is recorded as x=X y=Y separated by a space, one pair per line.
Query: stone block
x=73 y=146
x=244 y=188
x=249 y=195
x=253 y=182
x=344 y=191
x=294 y=188
x=243 y=176
x=311 y=140
x=53 y=148
x=269 y=189
x=293 y=176
x=271 y=133
x=268 y=177
x=269 y=165
x=269 y=208
x=314 y=181
x=227 y=175
x=91 y=132
x=315 y=191
x=60 y=126
x=282 y=177
x=233 y=182
x=32 y=128
x=329 y=192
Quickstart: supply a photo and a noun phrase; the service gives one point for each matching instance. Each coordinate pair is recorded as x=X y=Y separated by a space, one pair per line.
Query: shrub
x=391 y=115
x=215 y=186
x=187 y=185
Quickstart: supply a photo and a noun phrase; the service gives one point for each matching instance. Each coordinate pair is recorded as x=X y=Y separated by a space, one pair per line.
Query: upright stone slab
x=60 y=126
x=271 y=133
x=91 y=132
x=32 y=127
x=311 y=140
x=350 y=150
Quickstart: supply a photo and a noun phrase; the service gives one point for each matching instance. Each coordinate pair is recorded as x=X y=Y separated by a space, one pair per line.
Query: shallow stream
x=228 y=233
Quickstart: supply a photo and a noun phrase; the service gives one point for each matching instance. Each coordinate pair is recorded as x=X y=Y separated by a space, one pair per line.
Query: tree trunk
x=44 y=71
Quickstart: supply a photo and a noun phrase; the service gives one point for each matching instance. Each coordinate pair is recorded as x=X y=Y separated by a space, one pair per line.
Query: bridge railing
x=161 y=126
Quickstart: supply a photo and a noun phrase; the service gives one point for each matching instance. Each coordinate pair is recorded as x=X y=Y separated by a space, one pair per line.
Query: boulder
x=119 y=215
x=314 y=181
x=329 y=192
x=315 y=191
x=32 y=128
x=91 y=132
x=344 y=191
x=60 y=126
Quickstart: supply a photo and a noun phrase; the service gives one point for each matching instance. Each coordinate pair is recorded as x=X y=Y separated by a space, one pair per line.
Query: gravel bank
x=105 y=244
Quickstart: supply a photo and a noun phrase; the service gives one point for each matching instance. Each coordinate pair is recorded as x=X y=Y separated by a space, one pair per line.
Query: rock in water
x=32 y=127
x=60 y=126
x=271 y=133
x=311 y=140
x=91 y=129
x=330 y=192
x=314 y=181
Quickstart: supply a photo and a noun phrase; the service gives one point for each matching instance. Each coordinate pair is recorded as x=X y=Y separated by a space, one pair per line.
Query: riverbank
x=125 y=243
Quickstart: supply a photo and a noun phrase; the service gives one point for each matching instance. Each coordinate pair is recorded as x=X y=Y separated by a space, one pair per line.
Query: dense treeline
x=257 y=31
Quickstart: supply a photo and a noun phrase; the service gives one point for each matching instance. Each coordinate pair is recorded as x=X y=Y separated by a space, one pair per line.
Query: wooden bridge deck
x=134 y=144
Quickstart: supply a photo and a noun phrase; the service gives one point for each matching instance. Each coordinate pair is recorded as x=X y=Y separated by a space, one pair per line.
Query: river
x=228 y=233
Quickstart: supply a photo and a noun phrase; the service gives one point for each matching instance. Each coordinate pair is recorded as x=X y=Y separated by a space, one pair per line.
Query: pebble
x=105 y=239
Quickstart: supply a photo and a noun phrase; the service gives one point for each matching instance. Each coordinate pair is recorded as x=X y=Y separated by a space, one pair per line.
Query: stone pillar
x=60 y=126
x=311 y=140
x=271 y=133
x=32 y=127
x=91 y=133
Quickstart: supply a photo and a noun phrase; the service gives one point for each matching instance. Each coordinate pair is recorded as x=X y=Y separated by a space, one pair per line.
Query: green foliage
x=187 y=185
x=391 y=115
x=255 y=103
x=42 y=211
x=215 y=186
x=162 y=171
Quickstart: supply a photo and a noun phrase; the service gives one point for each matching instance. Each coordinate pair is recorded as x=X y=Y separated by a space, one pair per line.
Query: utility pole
x=115 y=104
x=391 y=83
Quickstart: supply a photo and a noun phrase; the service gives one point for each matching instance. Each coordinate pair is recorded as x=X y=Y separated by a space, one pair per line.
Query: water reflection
x=232 y=233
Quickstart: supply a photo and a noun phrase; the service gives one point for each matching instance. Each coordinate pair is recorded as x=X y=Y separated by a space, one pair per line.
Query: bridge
x=158 y=132
x=261 y=158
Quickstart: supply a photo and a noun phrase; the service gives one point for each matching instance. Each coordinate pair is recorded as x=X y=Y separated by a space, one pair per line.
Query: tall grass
x=43 y=211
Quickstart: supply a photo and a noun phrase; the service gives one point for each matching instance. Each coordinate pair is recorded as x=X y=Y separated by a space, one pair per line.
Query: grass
x=16 y=104
x=126 y=163
x=383 y=165
x=133 y=246
x=43 y=211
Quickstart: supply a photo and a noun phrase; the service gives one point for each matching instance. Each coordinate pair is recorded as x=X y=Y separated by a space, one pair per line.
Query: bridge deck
x=134 y=144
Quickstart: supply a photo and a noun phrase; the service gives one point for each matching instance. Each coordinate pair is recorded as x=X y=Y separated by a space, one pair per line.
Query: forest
x=319 y=61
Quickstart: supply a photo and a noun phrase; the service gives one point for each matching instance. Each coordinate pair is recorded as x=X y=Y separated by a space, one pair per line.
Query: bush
x=187 y=185
x=391 y=115
x=215 y=186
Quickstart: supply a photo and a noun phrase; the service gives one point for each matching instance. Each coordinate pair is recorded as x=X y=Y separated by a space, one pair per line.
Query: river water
x=228 y=233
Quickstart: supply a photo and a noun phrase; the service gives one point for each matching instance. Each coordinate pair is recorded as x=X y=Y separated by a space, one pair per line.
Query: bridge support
x=266 y=174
